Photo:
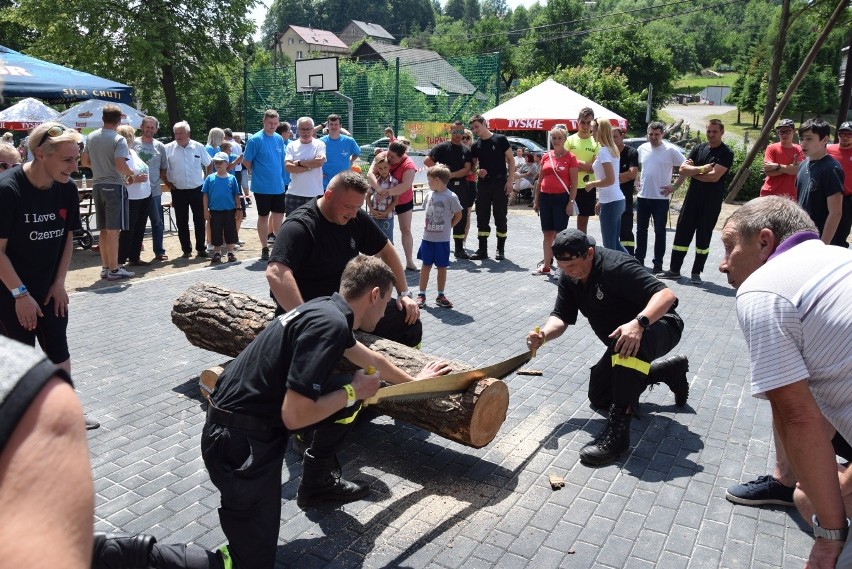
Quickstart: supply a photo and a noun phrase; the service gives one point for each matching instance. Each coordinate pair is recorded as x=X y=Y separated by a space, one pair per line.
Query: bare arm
x=299 y=411
x=552 y=329
x=283 y=285
x=835 y=211
x=629 y=175
x=57 y=290
x=510 y=163
x=389 y=256
x=85 y=160
x=607 y=180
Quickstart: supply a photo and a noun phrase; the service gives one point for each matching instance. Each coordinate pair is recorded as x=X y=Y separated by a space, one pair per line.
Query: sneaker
x=765 y=490
x=232 y=258
x=264 y=254
x=671 y=275
x=542 y=270
x=270 y=239
x=657 y=269
x=104 y=272
x=91 y=424
x=240 y=242
x=118 y=274
x=443 y=302
x=138 y=263
x=237 y=247
x=211 y=249
x=695 y=278
x=217 y=258
x=421 y=301
x=202 y=254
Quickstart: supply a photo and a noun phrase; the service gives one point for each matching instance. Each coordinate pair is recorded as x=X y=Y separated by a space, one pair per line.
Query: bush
x=751 y=188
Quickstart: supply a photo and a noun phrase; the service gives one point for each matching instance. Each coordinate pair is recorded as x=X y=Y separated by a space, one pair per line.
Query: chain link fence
x=382 y=93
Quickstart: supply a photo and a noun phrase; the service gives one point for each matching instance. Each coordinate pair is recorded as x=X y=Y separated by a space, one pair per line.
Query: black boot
x=322 y=482
x=612 y=443
x=482 y=252
x=121 y=550
x=301 y=442
x=501 y=246
x=460 y=252
x=672 y=371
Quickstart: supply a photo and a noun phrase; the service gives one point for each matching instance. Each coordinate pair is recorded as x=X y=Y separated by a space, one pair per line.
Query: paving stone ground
x=436 y=503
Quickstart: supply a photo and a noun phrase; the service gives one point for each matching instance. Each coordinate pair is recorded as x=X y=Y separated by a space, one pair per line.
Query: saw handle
x=537 y=332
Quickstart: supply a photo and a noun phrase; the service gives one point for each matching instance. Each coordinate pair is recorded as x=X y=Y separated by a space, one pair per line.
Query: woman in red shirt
x=403 y=168
x=555 y=191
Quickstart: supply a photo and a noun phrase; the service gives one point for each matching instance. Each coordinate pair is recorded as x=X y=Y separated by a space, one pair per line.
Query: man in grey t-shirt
x=153 y=153
x=106 y=153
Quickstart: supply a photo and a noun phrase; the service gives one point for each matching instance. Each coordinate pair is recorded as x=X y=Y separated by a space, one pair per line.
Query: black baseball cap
x=785 y=123
x=570 y=244
x=845 y=126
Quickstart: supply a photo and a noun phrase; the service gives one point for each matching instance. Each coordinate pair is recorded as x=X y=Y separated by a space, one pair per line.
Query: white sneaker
x=237 y=247
x=211 y=249
x=104 y=272
x=121 y=273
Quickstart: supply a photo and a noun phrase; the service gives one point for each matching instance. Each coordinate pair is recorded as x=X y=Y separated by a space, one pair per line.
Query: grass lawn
x=696 y=83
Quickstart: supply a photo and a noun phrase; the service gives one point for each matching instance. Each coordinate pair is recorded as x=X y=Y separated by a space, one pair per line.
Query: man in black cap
x=842 y=152
x=634 y=315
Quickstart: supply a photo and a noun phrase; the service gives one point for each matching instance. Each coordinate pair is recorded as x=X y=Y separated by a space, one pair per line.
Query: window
x=289 y=41
x=299 y=55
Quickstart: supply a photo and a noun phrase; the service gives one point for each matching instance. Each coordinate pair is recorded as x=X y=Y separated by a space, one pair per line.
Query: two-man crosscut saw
x=445 y=384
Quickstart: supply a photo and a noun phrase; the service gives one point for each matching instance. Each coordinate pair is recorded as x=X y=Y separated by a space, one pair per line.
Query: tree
x=454 y=10
x=642 y=59
x=471 y=12
x=495 y=8
x=554 y=45
x=283 y=13
x=164 y=48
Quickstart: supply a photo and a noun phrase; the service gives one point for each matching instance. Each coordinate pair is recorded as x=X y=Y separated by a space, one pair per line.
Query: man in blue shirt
x=264 y=158
x=341 y=151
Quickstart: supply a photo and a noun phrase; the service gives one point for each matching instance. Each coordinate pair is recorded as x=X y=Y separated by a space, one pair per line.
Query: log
x=226 y=321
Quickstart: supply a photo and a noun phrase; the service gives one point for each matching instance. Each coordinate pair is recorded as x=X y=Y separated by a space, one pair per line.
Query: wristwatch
x=830 y=534
x=406 y=294
x=643 y=321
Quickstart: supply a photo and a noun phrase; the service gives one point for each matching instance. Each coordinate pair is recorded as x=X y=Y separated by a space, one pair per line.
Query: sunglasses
x=52 y=132
x=8 y=165
x=457 y=132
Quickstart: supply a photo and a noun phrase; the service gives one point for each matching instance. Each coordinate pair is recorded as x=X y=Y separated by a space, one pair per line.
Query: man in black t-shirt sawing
x=633 y=314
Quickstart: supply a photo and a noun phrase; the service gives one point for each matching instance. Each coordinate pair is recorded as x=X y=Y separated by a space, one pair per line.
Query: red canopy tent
x=543 y=107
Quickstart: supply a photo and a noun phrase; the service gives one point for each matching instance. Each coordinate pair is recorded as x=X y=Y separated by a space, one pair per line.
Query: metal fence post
x=396 y=101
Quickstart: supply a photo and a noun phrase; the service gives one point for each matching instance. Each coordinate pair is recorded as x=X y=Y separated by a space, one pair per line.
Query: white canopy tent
x=543 y=107
x=88 y=114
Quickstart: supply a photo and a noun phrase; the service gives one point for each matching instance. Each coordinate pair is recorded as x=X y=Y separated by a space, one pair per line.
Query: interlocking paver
x=436 y=503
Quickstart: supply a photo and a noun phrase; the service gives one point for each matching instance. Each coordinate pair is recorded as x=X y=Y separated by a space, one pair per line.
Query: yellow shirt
x=585 y=149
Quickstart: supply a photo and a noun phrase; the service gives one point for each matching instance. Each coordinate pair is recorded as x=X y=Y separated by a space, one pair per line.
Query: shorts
x=434 y=253
x=111 y=206
x=292 y=203
x=585 y=201
x=51 y=330
x=386 y=225
x=551 y=210
x=467 y=193
x=269 y=202
x=402 y=208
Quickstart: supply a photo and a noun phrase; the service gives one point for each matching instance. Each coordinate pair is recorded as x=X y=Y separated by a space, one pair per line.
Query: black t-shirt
x=24 y=371
x=703 y=154
x=453 y=156
x=297 y=351
x=491 y=154
x=317 y=250
x=629 y=157
x=816 y=181
x=618 y=289
x=36 y=223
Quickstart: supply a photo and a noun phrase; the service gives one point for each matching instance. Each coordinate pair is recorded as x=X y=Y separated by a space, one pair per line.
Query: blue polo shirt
x=337 y=155
x=221 y=192
x=266 y=154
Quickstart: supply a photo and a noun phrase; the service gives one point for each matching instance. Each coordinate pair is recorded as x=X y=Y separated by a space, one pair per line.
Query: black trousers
x=698 y=217
x=491 y=195
x=182 y=202
x=628 y=241
x=246 y=468
x=845 y=225
x=613 y=380
x=223 y=222
x=466 y=192
x=130 y=240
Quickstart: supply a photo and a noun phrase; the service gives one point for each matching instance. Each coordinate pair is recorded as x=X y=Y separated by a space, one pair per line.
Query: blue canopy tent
x=25 y=76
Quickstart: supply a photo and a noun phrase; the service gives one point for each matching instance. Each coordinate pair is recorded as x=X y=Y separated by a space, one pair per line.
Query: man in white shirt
x=658 y=161
x=153 y=153
x=304 y=158
x=793 y=308
x=188 y=163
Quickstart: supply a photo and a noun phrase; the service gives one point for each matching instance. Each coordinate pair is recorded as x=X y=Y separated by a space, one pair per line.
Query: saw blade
x=446 y=384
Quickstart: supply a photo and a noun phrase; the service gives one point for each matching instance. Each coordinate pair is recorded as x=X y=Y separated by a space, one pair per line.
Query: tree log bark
x=226 y=321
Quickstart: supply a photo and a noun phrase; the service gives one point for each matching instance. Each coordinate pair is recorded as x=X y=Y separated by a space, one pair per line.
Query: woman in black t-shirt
x=39 y=211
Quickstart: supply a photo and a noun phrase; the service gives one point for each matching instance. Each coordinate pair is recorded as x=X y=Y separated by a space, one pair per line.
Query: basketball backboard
x=316 y=75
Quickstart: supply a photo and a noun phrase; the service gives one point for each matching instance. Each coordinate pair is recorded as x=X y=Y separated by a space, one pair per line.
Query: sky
x=259 y=12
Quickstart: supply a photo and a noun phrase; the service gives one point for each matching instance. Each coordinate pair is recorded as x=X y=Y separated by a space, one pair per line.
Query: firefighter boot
x=672 y=372
x=322 y=481
x=460 y=252
x=501 y=246
x=121 y=550
x=482 y=252
x=612 y=443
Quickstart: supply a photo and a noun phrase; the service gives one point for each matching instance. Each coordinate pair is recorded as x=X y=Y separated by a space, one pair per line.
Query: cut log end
x=489 y=413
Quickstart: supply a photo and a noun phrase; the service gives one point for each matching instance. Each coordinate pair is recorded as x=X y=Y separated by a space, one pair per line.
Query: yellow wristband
x=350 y=394
x=701 y=170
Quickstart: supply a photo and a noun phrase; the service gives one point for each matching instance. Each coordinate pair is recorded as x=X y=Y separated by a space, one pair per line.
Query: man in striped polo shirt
x=793 y=308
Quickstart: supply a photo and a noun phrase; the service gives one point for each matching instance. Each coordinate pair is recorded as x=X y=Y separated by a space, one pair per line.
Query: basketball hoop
x=308 y=92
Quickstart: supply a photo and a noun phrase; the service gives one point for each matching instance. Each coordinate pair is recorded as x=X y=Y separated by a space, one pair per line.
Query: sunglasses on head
x=8 y=165
x=52 y=132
